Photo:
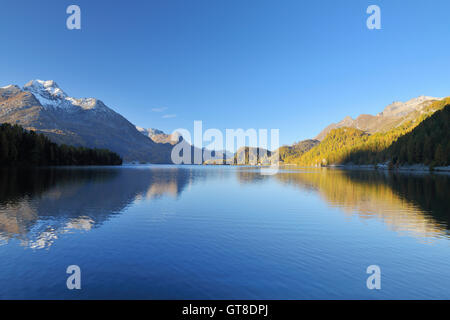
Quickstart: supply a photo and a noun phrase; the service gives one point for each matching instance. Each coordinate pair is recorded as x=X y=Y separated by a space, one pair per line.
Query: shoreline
x=385 y=167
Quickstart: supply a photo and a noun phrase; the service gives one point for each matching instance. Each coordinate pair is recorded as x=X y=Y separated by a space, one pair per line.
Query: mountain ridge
x=159 y=136
x=353 y=146
x=42 y=106
x=392 y=116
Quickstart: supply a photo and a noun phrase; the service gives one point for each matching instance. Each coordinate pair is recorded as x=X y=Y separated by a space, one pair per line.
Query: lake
x=223 y=232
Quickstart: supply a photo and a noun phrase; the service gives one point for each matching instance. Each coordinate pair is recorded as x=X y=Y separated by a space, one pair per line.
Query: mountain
x=428 y=143
x=421 y=140
x=399 y=109
x=335 y=148
x=159 y=136
x=253 y=156
x=42 y=106
x=392 y=116
x=288 y=153
x=149 y=132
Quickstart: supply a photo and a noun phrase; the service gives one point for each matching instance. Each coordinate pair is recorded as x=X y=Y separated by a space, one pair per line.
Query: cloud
x=167 y=116
x=159 y=109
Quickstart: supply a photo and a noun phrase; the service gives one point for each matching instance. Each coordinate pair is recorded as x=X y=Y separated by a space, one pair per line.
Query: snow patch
x=50 y=95
x=9 y=86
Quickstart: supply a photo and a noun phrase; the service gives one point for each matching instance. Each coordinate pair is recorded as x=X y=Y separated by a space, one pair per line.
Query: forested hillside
x=290 y=153
x=42 y=106
x=428 y=143
x=19 y=147
x=335 y=148
x=421 y=140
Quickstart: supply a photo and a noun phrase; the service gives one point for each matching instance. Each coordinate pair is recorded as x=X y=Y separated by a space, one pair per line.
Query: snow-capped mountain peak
x=47 y=92
x=42 y=106
x=11 y=86
x=50 y=95
x=47 y=89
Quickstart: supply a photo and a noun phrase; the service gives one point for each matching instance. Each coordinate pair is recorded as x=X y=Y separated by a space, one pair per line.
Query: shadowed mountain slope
x=42 y=106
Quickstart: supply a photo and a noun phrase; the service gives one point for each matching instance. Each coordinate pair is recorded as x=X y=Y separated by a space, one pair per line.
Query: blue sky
x=288 y=64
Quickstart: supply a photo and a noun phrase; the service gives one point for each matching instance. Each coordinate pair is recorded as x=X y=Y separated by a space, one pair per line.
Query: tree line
x=428 y=143
x=424 y=140
x=20 y=147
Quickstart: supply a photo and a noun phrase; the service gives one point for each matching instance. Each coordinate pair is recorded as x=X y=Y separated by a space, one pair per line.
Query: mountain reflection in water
x=38 y=205
x=417 y=204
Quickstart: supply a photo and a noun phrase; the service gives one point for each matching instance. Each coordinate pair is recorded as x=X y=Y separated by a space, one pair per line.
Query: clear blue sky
x=288 y=64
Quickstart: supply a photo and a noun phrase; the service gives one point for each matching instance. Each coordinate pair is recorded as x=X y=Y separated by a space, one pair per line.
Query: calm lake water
x=193 y=232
